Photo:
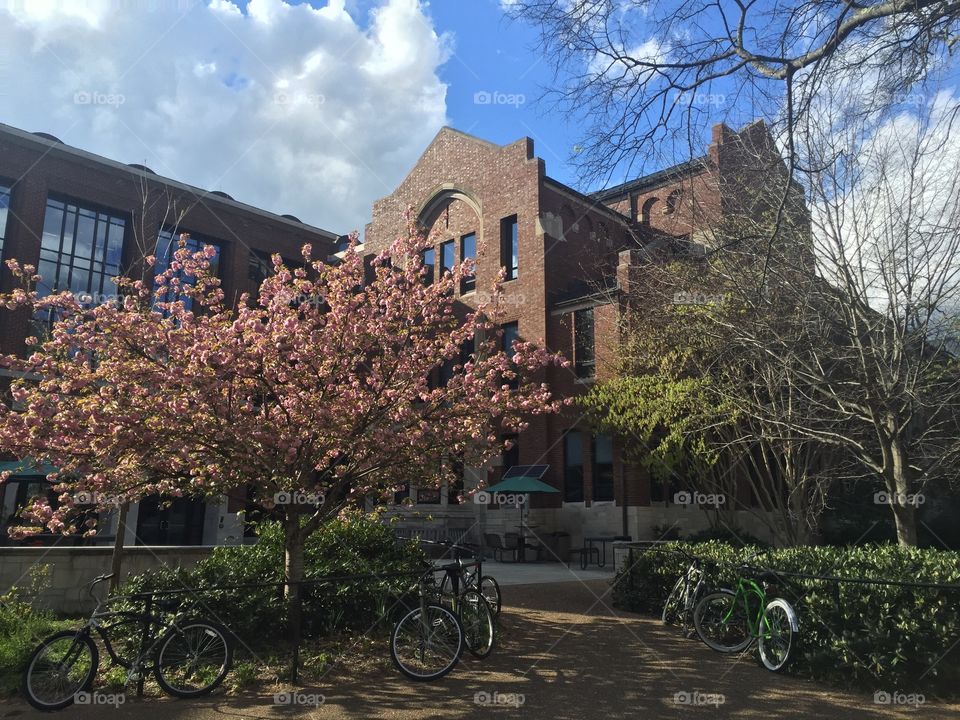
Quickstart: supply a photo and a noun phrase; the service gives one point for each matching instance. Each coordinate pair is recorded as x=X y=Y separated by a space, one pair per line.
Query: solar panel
x=534 y=471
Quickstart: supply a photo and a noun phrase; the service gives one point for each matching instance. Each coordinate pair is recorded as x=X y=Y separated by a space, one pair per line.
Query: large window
x=168 y=242
x=80 y=252
x=4 y=213
x=259 y=268
x=573 y=466
x=447 y=259
x=468 y=251
x=583 y=343
x=602 y=467
x=429 y=260
x=509 y=247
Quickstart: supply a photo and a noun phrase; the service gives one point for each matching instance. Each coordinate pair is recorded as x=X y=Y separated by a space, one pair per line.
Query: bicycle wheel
x=776 y=635
x=62 y=666
x=193 y=658
x=427 y=644
x=479 y=628
x=673 y=605
x=721 y=622
x=490 y=589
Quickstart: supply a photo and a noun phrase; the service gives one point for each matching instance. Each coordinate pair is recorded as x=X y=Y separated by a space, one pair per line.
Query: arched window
x=673 y=201
x=646 y=212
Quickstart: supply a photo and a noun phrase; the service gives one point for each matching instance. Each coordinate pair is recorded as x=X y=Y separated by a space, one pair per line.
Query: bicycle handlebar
x=96 y=581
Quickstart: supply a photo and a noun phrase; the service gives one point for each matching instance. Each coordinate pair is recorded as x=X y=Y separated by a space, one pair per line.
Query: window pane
x=603 y=467
x=446 y=252
x=4 y=213
x=168 y=242
x=583 y=343
x=573 y=467
x=468 y=250
x=509 y=247
x=75 y=240
x=429 y=257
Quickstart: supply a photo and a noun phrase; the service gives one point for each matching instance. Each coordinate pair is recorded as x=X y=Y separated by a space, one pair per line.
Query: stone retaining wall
x=71 y=568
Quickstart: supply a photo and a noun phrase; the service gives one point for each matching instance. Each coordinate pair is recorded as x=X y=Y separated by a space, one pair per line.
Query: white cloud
x=287 y=107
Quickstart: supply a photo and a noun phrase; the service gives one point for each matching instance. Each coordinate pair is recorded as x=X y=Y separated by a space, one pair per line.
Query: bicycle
x=428 y=641
x=732 y=620
x=686 y=593
x=486 y=585
x=188 y=657
x=473 y=609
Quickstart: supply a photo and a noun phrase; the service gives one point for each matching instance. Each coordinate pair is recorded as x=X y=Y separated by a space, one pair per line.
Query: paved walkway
x=563 y=654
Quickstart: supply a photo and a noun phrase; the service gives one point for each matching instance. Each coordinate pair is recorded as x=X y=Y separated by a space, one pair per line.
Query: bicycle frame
x=745 y=590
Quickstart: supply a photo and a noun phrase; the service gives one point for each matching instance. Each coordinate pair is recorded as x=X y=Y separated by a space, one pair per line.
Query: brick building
x=570 y=259
x=83 y=219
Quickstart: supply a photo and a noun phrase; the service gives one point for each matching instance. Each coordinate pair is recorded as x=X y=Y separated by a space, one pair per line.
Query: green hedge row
x=352 y=546
x=890 y=637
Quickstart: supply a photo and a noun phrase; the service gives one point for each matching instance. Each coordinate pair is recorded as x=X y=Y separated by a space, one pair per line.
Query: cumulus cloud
x=296 y=109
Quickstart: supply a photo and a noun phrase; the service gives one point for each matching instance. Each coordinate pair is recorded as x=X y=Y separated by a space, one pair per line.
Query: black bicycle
x=470 y=576
x=188 y=657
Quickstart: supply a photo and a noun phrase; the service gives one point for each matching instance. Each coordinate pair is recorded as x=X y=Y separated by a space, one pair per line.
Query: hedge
x=892 y=637
x=354 y=545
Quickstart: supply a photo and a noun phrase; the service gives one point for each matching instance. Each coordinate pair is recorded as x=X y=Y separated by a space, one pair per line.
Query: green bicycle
x=732 y=620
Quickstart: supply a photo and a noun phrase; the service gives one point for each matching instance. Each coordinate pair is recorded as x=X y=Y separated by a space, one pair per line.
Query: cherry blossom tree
x=315 y=395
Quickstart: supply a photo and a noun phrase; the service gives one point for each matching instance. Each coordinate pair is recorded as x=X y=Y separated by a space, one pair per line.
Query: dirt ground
x=563 y=653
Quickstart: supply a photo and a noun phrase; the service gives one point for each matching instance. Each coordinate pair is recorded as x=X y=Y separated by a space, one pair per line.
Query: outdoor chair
x=496 y=544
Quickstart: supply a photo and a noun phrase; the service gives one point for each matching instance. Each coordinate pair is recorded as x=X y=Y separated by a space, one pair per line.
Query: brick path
x=570 y=657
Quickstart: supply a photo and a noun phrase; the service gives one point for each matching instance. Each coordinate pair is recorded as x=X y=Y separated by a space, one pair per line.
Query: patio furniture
x=518 y=541
x=497 y=545
x=556 y=546
x=603 y=540
x=584 y=553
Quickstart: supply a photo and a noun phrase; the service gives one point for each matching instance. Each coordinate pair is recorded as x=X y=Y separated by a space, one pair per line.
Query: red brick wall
x=146 y=202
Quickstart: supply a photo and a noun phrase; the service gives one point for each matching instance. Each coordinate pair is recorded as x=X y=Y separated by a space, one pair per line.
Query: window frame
x=578 y=483
x=468 y=283
x=510 y=247
x=585 y=368
x=595 y=466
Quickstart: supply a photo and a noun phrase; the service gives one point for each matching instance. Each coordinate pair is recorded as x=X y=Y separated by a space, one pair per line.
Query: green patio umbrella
x=523 y=480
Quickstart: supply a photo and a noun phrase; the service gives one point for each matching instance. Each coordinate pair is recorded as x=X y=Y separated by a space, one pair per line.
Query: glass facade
x=80 y=251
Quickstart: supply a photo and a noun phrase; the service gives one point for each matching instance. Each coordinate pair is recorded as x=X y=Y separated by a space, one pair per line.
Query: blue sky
x=315 y=109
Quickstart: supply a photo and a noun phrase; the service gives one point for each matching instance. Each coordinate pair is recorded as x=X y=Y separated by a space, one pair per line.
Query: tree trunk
x=902 y=500
x=293 y=574
x=116 y=559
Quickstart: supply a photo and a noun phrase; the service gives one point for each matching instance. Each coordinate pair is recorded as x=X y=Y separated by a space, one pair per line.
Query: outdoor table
x=603 y=540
